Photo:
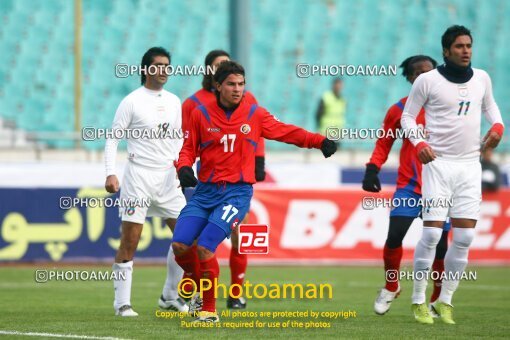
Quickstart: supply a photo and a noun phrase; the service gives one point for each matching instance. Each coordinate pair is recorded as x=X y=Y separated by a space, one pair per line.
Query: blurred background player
x=150 y=173
x=227 y=172
x=408 y=187
x=238 y=262
x=454 y=96
x=332 y=106
x=491 y=174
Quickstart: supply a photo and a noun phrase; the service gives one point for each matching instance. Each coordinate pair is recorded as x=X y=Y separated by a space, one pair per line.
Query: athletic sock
x=392 y=258
x=423 y=258
x=174 y=274
x=455 y=262
x=190 y=264
x=438 y=268
x=209 y=269
x=238 y=263
x=123 y=274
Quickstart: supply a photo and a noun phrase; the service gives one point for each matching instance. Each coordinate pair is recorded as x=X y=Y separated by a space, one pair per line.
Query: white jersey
x=452 y=113
x=147 y=110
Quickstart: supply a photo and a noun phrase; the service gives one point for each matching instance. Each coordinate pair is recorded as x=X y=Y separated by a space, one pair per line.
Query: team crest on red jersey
x=245 y=128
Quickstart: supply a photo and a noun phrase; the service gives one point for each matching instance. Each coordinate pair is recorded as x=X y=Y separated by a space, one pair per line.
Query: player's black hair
x=337 y=80
x=207 y=82
x=148 y=58
x=452 y=33
x=407 y=65
x=227 y=68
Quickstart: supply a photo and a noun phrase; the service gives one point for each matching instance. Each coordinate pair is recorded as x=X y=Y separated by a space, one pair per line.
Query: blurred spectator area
x=37 y=72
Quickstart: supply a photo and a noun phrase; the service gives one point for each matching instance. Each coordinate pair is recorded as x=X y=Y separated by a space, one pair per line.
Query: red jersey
x=226 y=141
x=203 y=97
x=409 y=170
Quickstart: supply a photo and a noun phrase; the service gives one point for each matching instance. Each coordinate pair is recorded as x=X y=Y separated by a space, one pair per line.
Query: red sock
x=392 y=258
x=238 y=264
x=190 y=264
x=438 y=267
x=209 y=269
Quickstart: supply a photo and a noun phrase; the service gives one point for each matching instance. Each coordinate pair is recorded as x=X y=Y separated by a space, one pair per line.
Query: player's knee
x=430 y=237
x=462 y=237
x=179 y=248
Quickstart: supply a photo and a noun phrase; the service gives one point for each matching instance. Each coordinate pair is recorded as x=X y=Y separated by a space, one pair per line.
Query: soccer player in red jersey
x=238 y=262
x=224 y=134
x=408 y=190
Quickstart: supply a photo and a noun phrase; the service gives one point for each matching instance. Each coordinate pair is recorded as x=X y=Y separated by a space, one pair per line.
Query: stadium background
x=314 y=206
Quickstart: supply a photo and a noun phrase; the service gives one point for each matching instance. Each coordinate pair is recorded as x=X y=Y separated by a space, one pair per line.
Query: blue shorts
x=405 y=196
x=224 y=205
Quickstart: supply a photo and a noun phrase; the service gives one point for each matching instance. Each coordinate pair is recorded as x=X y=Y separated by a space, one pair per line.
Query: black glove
x=328 y=147
x=260 y=172
x=371 y=180
x=187 y=177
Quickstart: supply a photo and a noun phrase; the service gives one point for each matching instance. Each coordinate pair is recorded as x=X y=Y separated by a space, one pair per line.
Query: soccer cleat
x=126 y=310
x=178 y=305
x=205 y=316
x=195 y=304
x=383 y=301
x=233 y=303
x=422 y=314
x=444 y=311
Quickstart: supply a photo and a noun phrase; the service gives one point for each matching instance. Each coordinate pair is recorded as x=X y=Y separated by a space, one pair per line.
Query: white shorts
x=452 y=188
x=160 y=187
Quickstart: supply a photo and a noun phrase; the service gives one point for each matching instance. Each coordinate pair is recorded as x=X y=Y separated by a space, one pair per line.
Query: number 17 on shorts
x=253 y=239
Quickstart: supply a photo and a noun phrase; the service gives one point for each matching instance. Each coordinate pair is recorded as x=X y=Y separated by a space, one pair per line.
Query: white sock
x=423 y=258
x=455 y=261
x=173 y=276
x=122 y=287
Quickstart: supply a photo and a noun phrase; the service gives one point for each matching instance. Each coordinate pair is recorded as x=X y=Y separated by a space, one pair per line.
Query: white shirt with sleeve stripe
x=145 y=109
x=452 y=113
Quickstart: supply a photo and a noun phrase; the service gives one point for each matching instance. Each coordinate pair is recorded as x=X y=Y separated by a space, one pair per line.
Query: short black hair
x=452 y=33
x=148 y=58
x=337 y=80
x=407 y=65
x=207 y=82
x=227 y=68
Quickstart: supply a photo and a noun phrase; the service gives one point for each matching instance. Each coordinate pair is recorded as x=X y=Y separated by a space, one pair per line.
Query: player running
x=224 y=133
x=238 y=262
x=149 y=174
x=408 y=190
x=454 y=96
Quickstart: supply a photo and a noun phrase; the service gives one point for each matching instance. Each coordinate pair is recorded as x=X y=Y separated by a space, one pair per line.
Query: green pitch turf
x=85 y=308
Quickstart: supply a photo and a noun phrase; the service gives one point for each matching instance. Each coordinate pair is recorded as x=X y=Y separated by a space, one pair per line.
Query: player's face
x=460 y=51
x=419 y=68
x=160 y=76
x=231 y=90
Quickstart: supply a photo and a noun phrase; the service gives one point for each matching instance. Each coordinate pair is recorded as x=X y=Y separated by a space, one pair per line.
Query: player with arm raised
x=454 y=96
x=238 y=262
x=149 y=174
x=225 y=134
x=408 y=190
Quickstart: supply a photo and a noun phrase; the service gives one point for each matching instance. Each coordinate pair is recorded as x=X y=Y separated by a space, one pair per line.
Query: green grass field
x=85 y=308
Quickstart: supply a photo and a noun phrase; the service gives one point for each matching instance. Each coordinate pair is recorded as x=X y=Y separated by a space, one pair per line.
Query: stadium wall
x=321 y=225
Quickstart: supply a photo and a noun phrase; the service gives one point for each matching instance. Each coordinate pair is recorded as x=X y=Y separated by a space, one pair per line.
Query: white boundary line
x=70 y=336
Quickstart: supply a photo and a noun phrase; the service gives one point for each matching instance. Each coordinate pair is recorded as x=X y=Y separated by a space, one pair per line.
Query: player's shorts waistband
x=154 y=167
x=457 y=160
